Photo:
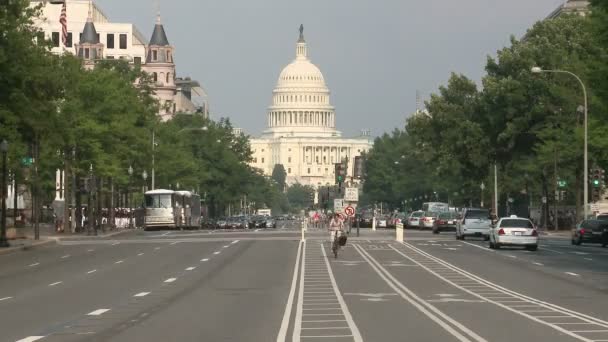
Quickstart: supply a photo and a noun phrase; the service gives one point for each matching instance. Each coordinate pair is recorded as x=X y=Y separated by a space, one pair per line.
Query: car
x=396 y=219
x=366 y=219
x=514 y=231
x=270 y=222
x=602 y=217
x=427 y=219
x=257 y=222
x=591 y=231
x=445 y=221
x=381 y=222
x=221 y=223
x=413 y=221
x=474 y=222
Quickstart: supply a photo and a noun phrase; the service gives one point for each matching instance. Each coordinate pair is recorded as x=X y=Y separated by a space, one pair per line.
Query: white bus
x=435 y=207
x=171 y=209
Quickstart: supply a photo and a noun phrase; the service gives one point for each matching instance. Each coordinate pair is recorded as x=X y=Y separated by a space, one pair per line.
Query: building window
x=324 y=160
x=155 y=76
x=154 y=55
x=98 y=40
x=255 y=160
x=168 y=74
x=289 y=170
x=123 y=41
x=110 y=57
x=110 y=41
x=262 y=160
x=262 y=150
x=69 y=41
x=55 y=39
x=308 y=170
x=317 y=159
x=137 y=60
x=326 y=170
x=289 y=159
x=174 y=107
x=168 y=56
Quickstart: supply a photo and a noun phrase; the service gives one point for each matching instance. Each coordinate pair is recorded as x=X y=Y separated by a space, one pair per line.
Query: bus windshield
x=158 y=201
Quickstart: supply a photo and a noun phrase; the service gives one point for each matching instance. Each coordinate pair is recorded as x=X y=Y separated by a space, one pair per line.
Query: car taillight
x=534 y=232
x=501 y=231
x=582 y=232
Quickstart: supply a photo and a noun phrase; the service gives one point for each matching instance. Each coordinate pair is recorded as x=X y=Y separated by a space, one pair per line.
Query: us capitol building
x=302 y=134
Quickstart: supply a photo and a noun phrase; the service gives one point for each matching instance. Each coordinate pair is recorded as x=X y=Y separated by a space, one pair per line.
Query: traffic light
x=596 y=177
x=340 y=173
x=359 y=171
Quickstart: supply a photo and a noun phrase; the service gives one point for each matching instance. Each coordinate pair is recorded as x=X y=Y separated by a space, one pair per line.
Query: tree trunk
x=111 y=206
x=79 y=227
x=67 y=198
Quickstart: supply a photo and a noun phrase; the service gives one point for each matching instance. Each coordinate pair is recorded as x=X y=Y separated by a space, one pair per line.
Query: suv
x=474 y=222
x=594 y=231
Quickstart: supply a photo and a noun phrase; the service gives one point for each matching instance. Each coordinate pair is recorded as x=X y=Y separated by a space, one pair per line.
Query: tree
x=300 y=197
x=279 y=175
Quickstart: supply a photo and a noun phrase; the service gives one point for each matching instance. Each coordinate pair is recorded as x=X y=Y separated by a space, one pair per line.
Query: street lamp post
x=538 y=70
x=144 y=175
x=153 y=158
x=130 y=196
x=3 y=239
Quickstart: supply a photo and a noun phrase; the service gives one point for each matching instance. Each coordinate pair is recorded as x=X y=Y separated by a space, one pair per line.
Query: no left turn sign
x=350 y=211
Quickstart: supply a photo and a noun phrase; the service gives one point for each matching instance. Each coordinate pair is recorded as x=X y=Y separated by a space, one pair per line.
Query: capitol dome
x=300 y=101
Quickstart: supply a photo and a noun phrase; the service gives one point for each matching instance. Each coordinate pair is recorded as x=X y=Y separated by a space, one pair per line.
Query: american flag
x=63 y=19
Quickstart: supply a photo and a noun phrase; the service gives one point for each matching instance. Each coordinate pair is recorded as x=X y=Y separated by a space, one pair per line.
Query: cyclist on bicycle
x=336 y=227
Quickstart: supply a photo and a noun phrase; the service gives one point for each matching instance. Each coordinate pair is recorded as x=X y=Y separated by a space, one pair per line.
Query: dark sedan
x=591 y=231
x=445 y=221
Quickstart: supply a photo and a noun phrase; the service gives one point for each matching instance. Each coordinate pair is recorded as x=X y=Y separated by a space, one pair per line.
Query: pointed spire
x=89 y=33
x=159 y=37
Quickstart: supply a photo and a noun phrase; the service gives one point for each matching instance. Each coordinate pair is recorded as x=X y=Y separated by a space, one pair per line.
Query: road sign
x=350 y=211
x=27 y=161
x=351 y=194
x=595 y=207
x=338 y=205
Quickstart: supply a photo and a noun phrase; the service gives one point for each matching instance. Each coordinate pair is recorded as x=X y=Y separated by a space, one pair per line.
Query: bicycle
x=335 y=246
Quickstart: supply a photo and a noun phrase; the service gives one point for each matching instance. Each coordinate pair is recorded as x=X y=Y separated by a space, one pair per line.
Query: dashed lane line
x=140 y=254
x=98 y=312
x=5 y=298
x=204 y=260
x=119 y=262
x=91 y=271
x=65 y=256
x=31 y=338
x=141 y=294
x=34 y=264
x=56 y=283
x=170 y=280
x=190 y=268
x=573 y=274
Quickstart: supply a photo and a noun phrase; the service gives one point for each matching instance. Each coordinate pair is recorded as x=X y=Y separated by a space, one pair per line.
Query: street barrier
x=304 y=228
x=399 y=232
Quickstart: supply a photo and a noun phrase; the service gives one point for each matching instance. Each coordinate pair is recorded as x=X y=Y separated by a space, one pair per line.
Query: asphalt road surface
x=270 y=285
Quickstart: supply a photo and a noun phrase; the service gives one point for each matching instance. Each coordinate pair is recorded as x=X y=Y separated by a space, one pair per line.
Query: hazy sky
x=373 y=54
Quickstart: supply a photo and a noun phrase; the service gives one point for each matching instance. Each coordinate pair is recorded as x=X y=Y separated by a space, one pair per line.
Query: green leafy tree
x=279 y=175
x=300 y=197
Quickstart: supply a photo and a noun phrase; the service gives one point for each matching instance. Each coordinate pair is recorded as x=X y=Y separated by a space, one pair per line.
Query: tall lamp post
x=3 y=240
x=144 y=175
x=538 y=70
x=130 y=198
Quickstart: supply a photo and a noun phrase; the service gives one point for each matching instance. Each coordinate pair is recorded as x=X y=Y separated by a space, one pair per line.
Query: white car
x=474 y=222
x=514 y=231
x=414 y=220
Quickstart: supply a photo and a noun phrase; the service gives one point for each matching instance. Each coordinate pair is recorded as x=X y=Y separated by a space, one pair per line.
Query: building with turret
x=93 y=37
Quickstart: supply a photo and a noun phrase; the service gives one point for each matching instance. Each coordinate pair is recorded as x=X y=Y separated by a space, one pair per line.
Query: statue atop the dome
x=301 y=33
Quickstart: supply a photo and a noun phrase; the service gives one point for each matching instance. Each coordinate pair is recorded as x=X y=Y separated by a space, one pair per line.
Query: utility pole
x=495 y=189
x=153 y=159
x=555 y=224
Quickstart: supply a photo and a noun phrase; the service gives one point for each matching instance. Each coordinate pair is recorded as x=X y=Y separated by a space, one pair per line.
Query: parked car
x=445 y=221
x=257 y=222
x=514 y=231
x=591 y=231
x=474 y=222
x=270 y=222
x=366 y=219
x=427 y=220
x=382 y=222
x=397 y=218
x=413 y=221
x=221 y=223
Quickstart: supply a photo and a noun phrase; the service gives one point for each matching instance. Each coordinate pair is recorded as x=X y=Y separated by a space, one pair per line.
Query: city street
x=268 y=285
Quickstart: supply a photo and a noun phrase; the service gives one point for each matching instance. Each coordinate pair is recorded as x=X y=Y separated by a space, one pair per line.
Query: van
x=474 y=222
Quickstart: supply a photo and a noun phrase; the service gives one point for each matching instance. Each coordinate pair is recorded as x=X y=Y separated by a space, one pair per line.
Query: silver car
x=413 y=221
x=514 y=231
x=474 y=222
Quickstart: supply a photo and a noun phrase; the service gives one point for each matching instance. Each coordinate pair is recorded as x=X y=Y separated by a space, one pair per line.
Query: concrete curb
x=27 y=247
x=84 y=236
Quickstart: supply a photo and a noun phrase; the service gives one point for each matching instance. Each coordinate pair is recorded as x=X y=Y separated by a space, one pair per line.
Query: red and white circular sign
x=350 y=211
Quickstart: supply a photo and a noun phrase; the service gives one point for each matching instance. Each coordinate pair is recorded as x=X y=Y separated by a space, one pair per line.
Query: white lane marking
x=420 y=304
x=90 y=250
x=538 y=264
x=226 y=246
x=174 y=243
x=34 y=264
x=478 y=246
x=206 y=259
x=216 y=253
x=65 y=256
x=91 y=271
x=142 y=294
x=552 y=250
x=297 y=329
x=116 y=243
x=98 y=312
x=580 y=253
x=170 y=280
x=30 y=339
x=588 y=259
x=565 y=313
x=156 y=248
x=511 y=256
x=56 y=283
x=5 y=298
x=573 y=274
x=140 y=254
x=349 y=319
x=165 y=234
x=190 y=268
x=235 y=241
x=119 y=262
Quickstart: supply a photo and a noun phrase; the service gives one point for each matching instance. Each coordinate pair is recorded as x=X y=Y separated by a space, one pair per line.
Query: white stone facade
x=302 y=134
